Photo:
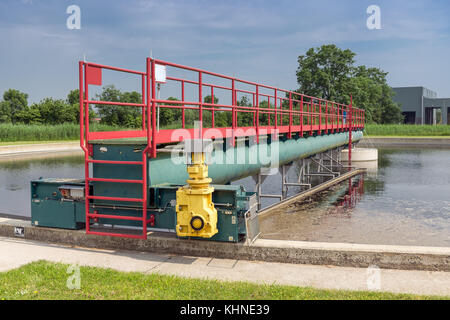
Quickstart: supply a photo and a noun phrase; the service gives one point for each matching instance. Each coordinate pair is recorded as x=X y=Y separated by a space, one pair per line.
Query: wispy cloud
x=256 y=39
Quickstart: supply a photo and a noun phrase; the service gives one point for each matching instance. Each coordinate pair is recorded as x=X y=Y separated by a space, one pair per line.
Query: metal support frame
x=322 y=165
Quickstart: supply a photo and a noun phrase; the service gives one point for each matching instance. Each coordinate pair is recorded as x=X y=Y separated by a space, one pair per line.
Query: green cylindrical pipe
x=170 y=169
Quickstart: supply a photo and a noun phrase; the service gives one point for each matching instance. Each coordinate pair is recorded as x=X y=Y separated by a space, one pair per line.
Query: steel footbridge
x=178 y=178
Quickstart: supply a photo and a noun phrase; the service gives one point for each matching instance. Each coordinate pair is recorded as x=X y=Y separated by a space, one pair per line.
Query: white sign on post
x=160 y=73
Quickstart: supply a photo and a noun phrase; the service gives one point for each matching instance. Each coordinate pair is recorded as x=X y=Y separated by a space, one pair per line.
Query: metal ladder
x=93 y=215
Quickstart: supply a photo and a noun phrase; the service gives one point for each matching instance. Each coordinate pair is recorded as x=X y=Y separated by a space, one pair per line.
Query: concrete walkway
x=17 y=252
x=50 y=147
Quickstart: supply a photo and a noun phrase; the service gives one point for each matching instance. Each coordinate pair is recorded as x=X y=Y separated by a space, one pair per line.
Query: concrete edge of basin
x=298 y=252
x=405 y=142
x=8 y=150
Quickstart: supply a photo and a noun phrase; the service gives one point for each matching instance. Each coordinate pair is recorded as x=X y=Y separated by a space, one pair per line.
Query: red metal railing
x=286 y=112
x=304 y=114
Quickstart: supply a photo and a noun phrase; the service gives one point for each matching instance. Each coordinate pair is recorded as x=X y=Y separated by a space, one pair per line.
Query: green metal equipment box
x=57 y=203
x=50 y=208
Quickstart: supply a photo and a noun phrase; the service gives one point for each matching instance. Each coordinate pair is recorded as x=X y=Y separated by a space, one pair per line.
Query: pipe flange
x=197 y=223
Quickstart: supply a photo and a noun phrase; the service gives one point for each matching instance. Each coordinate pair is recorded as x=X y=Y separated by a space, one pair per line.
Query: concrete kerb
x=297 y=252
x=421 y=142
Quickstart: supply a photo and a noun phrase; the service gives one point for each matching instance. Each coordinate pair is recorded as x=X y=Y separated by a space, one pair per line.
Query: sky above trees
x=254 y=40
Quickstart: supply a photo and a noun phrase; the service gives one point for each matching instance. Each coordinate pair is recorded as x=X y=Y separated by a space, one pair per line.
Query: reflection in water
x=351 y=197
x=405 y=202
x=16 y=174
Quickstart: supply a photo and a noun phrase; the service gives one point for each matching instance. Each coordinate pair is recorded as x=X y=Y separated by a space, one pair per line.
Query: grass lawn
x=45 y=280
x=403 y=130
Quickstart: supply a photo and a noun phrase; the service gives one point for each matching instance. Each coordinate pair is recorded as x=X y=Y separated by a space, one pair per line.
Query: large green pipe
x=167 y=168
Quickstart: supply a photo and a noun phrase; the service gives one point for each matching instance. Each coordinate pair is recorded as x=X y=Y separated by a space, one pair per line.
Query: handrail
x=284 y=110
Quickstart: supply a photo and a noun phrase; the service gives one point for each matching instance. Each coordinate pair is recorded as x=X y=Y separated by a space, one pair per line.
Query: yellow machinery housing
x=196 y=214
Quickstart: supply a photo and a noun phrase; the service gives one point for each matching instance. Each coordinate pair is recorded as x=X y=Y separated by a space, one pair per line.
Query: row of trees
x=15 y=109
x=326 y=72
x=329 y=72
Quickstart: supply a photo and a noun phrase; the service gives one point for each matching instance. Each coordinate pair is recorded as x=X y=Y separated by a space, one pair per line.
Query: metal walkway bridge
x=131 y=169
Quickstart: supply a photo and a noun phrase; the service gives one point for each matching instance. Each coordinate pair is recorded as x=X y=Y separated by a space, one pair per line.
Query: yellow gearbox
x=196 y=214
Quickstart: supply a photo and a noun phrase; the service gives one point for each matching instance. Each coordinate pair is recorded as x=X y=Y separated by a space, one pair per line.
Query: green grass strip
x=403 y=130
x=46 y=280
x=70 y=131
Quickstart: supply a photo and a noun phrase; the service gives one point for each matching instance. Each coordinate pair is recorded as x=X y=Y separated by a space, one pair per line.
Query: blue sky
x=255 y=40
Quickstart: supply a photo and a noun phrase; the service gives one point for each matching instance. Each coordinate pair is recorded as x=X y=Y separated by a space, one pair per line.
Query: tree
x=55 y=111
x=5 y=112
x=30 y=116
x=391 y=111
x=245 y=119
x=323 y=72
x=73 y=97
x=13 y=102
x=127 y=116
x=169 y=116
x=329 y=73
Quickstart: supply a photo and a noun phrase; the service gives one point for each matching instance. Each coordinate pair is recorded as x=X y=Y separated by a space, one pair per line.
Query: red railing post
x=320 y=117
x=200 y=103
x=257 y=113
x=212 y=107
x=81 y=102
x=301 y=116
x=183 y=121
x=83 y=136
x=269 y=112
x=350 y=132
x=233 y=110
x=143 y=102
x=290 y=115
x=254 y=111
x=153 y=109
x=149 y=103
x=276 y=112
x=332 y=117
x=86 y=105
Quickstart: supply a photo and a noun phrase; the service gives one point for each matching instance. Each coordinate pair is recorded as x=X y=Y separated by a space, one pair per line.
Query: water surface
x=16 y=174
x=406 y=201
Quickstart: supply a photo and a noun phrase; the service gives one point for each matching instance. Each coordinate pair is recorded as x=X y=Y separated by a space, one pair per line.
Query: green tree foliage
x=329 y=72
x=49 y=111
x=14 y=109
x=126 y=116
x=170 y=116
x=13 y=103
x=245 y=119
x=73 y=97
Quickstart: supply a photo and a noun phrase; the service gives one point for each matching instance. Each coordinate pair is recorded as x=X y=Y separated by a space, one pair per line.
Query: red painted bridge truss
x=288 y=112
